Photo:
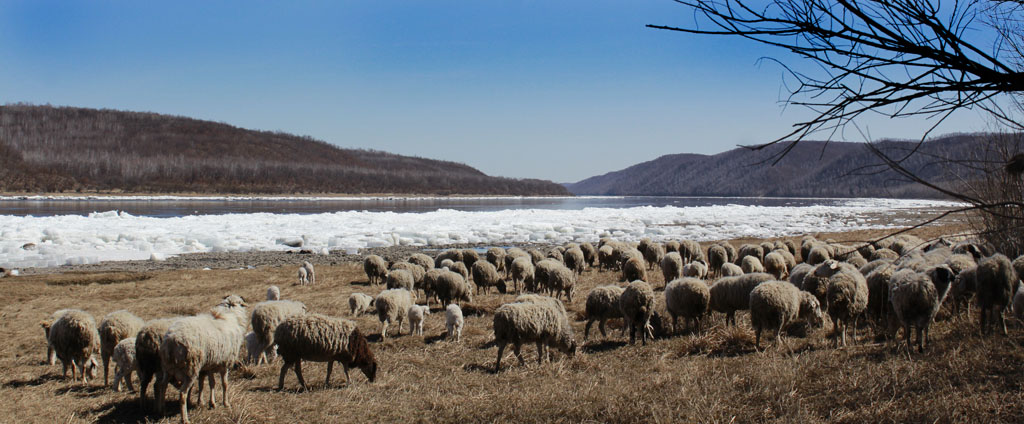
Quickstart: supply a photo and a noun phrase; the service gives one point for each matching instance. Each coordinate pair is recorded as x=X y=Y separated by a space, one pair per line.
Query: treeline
x=57 y=149
x=811 y=169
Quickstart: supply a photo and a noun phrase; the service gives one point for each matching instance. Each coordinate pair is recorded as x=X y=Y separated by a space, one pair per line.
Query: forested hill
x=53 y=149
x=811 y=169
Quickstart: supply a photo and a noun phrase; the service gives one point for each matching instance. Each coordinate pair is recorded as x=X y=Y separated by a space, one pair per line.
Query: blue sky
x=527 y=89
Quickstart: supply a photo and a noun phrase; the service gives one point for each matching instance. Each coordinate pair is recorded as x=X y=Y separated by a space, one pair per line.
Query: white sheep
x=392 y=306
x=846 y=297
x=116 y=326
x=543 y=323
x=416 y=315
x=303 y=276
x=637 y=305
x=266 y=316
x=124 y=363
x=775 y=264
x=696 y=269
x=750 y=264
x=731 y=294
x=401 y=279
x=310 y=271
x=603 y=304
x=522 y=273
x=687 y=298
x=916 y=298
x=451 y=286
x=730 y=269
x=776 y=304
x=254 y=353
x=51 y=356
x=672 y=266
x=75 y=340
x=454 y=321
x=995 y=280
x=206 y=343
x=273 y=293
x=376 y=269
x=147 y=354
x=320 y=338
x=359 y=303
x=485 y=275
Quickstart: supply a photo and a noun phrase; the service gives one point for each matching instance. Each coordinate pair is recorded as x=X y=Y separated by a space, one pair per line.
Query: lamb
x=376 y=269
x=116 y=326
x=589 y=253
x=75 y=340
x=574 y=260
x=392 y=306
x=496 y=256
x=320 y=338
x=310 y=272
x=717 y=256
x=846 y=297
x=147 y=354
x=775 y=264
x=672 y=266
x=454 y=321
x=124 y=363
x=687 y=298
x=485 y=275
x=273 y=293
x=522 y=273
x=916 y=298
x=634 y=269
x=543 y=323
x=602 y=304
x=730 y=269
x=51 y=356
x=207 y=343
x=776 y=304
x=401 y=279
x=695 y=269
x=450 y=286
x=731 y=294
x=266 y=316
x=424 y=261
x=253 y=349
x=303 y=276
x=561 y=280
x=637 y=306
x=995 y=280
x=416 y=316
x=750 y=264
x=359 y=303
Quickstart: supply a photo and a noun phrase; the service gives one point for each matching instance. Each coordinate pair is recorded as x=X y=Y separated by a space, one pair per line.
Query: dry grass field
x=714 y=376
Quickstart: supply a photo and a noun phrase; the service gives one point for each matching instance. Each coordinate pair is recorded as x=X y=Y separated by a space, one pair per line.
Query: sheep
x=485 y=275
x=561 y=280
x=541 y=271
x=797 y=274
x=879 y=306
x=310 y=271
x=690 y=251
x=787 y=257
x=574 y=260
x=731 y=294
x=424 y=261
x=417 y=272
x=637 y=306
x=496 y=256
x=634 y=269
x=543 y=323
x=124 y=363
x=606 y=257
x=589 y=253
x=964 y=286
x=750 y=265
x=303 y=276
x=816 y=281
x=671 y=246
x=430 y=282
x=207 y=343
x=273 y=293
x=817 y=255
x=376 y=269
x=873 y=265
x=453 y=255
x=602 y=304
x=450 y=286
x=359 y=303
x=555 y=254
x=535 y=256
x=995 y=280
x=454 y=321
x=511 y=255
x=116 y=326
x=749 y=250
x=266 y=316
x=416 y=316
x=401 y=279
x=730 y=269
x=687 y=298
x=775 y=264
x=959 y=262
x=731 y=253
x=846 y=297
x=653 y=254
x=884 y=254
x=696 y=269
x=392 y=306
x=904 y=243
x=522 y=273
x=75 y=340
x=461 y=269
x=469 y=257
x=51 y=356
x=320 y=338
x=916 y=298
x=776 y=304
x=253 y=349
x=717 y=256
x=147 y=354
x=1018 y=302
x=672 y=266
x=626 y=253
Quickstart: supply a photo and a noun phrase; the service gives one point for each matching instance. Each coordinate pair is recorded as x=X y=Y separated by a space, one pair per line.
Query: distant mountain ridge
x=811 y=169
x=55 y=149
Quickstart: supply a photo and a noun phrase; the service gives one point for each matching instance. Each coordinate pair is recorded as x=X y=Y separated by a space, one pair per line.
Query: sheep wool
x=637 y=306
x=454 y=321
x=392 y=306
x=416 y=315
x=687 y=298
x=731 y=294
x=273 y=293
x=602 y=304
x=916 y=298
x=124 y=363
x=542 y=323
x=672 y=266
x=376 y=269
x=522 y=273
x=320 y=338
x=75 y=340
x=776 y=304
x=266 y=316
x=359 y=303
x=116 y=326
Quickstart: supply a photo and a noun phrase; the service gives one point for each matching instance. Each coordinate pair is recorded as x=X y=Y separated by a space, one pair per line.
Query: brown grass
x=712 y=376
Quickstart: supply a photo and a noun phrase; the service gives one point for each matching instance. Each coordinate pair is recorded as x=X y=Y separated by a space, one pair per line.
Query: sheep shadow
x=434 y=339
x=129 y=411
x=82 y=390
x=38 y=381
x=359 y=283
x=481 y=368
x=605 y=346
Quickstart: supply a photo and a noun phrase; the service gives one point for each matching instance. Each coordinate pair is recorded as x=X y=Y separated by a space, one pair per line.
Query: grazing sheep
x=310 y=271
x=511 y=255
x=51 y=357
x=266 y=316
x=671 y=246
x=749 y=250
x=535 y=256
x=602 y=304
x=878 y=279
x=687 y=298
x=964 y=286
x=797 y=274
x=206 y=343
x=749 y=264
x=626 y=253
x=359 y=303
x=731 y=294
x=717 y=256
x=303 y=276
x=916 y=298
x=690 y=251
x=453 y=255
x=884 y=254
x=253 y=349
x=555 y=254
x=116 y=326
x=995 y=280
x=424 y=261
x=817 y=255
x=695 y=269
x=776 y=304
x=453 y=321
x=320 y=338
x=124 y=363
x=485 y=275
x=392 y=306
x=450 y=286
x=273 y=293
x=469 y=257
x=606 y=257
x=653 y=254
x=904 y=243
x=732 y=255
x=416 y=316
x=540 y=274
x=461 y=269
x=672 y=266
x=637 y=305
x=846 y=297
x=430 y=281
x=416 y=271
x=561 y=280
x=634 y=269
x=817 y=281
x=589 y=253
x=496 y=256
x=401 y=279
x=522 y=273
x=574 y=260
x=775 y=264
x=376 y=269
x=75 y=340
x=147 y=354
x=543 y=323
x=730 y=269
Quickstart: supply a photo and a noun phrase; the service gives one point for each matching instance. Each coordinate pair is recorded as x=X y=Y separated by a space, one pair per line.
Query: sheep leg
x=330 y=367
x=540 y=353
x=117 y=379
x=517 y=349
x=383 y=330
x=1002 y=321
x=497 y=363
x=920 y=342
x=298 y=373
x=284 y=370
x=64 y=364
x=144 y=379
x=213 y=390
x=600 y=326
x=183 y=395
x=128 y=380
x=106 y=369
x=223 y=386
x=586 y=330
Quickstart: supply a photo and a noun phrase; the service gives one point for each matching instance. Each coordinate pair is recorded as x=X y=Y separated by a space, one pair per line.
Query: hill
x=56 y=149
x=811 y=169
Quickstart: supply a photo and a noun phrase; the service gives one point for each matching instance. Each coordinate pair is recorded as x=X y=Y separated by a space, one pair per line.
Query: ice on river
x=111 y=236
